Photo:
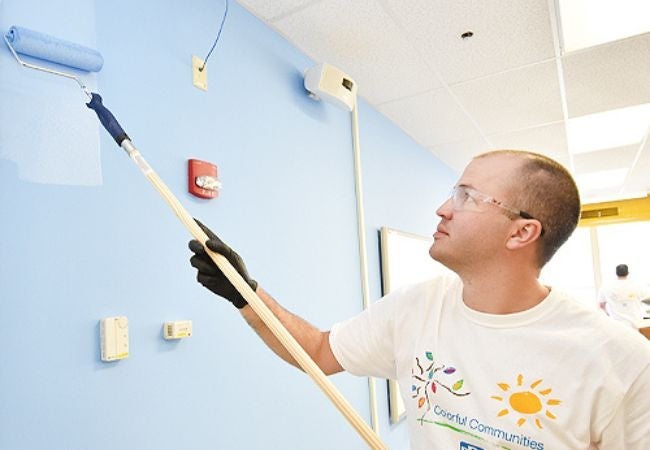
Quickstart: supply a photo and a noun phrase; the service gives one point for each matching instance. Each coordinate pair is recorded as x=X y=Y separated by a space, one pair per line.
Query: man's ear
x=524 y=232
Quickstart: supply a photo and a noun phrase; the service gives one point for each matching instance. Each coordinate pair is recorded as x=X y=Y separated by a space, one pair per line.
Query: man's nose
x=446 y=209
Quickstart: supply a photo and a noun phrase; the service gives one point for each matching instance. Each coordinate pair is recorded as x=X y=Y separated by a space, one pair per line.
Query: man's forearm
x=314 y=341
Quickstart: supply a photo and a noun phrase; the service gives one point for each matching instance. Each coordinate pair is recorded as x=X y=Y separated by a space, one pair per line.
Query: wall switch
x=114 y=338
x=199 y=77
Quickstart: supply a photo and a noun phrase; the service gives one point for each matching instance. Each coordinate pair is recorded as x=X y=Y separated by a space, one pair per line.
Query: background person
x=622 y=298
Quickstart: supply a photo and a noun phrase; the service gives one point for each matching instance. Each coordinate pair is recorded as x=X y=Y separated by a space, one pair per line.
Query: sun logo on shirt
x=530 y=402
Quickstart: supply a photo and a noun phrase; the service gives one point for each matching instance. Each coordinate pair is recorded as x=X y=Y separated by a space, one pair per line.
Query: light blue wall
x=70 y=255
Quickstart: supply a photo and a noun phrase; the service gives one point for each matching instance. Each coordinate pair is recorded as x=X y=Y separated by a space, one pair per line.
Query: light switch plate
x=199 y=78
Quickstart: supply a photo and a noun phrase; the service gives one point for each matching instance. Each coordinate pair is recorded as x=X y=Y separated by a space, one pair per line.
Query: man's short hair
x=546 y=190
x=621 y=270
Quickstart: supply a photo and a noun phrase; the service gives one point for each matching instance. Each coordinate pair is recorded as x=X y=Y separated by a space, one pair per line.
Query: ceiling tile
x=612 y=158
x=549 y=140
x=609 y=76
x=268 y=10
x=517 y=99
x=507 y=34
x=430 y=118
x=459 y=153
x=362 y=40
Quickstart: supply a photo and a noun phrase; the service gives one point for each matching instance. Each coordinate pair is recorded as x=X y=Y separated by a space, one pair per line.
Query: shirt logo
x=527 y=403
x=429 y=377
x=467 y=446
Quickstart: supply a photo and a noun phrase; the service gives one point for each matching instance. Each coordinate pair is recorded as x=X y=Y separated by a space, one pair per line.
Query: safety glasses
x=465 y=198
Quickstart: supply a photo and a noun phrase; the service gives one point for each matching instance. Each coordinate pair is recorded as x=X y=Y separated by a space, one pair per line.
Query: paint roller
x=31 y=43
x=24 y=41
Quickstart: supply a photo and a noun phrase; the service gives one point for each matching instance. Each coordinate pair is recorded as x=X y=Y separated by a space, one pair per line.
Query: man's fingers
x=213 y=244
x=196 y=247
x=204 y=265
x=205 y=229
x=203 y=279
x=216 y=245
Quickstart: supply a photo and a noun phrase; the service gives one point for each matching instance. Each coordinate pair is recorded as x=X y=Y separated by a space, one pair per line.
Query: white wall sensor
x=329 y=83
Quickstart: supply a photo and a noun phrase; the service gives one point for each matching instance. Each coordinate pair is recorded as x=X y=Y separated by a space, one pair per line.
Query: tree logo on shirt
x=529 y=402
x=428 y=377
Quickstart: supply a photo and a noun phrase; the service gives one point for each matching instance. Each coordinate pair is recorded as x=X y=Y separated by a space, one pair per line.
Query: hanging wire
x=217 y=39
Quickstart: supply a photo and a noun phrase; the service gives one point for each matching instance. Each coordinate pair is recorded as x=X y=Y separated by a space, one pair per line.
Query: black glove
x=210 y=276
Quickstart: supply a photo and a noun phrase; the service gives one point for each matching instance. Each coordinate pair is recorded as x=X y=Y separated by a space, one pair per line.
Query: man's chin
x=441 y=257
x=436 y=254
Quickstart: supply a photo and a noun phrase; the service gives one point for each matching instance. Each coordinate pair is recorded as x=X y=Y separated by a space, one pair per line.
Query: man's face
x=472 y=235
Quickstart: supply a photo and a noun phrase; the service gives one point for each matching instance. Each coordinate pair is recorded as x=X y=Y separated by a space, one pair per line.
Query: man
x=622 y=298
x=489 y=358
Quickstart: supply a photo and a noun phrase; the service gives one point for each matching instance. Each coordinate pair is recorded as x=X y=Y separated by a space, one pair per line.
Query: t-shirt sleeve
x=373 y=342
x=377 y=340
x=629 y=427
x=363 y=345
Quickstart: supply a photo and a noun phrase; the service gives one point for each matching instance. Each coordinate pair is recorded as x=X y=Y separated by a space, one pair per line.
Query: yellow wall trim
x=618 y=211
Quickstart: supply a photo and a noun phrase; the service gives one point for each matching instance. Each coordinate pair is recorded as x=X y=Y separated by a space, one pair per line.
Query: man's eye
x=470 y=199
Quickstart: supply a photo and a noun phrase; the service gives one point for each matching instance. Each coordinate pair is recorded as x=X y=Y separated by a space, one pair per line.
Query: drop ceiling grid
x=507 y=34
x=361 y=39
x=401 y=52
x=609 y=76
x=513 y=100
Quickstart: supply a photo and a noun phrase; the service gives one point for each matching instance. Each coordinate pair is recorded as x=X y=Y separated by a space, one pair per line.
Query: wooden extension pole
x=260 y=308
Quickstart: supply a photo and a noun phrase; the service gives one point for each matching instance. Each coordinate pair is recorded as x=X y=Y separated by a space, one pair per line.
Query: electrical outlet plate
x=199 y=78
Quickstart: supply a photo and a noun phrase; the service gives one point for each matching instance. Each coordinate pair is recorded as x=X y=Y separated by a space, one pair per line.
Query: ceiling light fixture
x=608 y=129
x=601 y=179
x=586 y=23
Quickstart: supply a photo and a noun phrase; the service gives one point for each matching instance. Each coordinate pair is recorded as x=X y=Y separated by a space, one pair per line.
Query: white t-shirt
x=623 y=301
x=557 y=376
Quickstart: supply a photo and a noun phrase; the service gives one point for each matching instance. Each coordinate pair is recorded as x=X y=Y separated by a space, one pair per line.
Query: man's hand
x=210 y=276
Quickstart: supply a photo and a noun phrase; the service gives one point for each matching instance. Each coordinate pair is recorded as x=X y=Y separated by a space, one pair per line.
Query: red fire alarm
x=202 y=178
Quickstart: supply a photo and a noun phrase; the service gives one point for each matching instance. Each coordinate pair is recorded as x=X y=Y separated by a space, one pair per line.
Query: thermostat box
x=114 y=338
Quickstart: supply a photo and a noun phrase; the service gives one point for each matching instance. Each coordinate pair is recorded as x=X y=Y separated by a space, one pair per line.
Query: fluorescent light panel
x=609 y=129
x=586 y=23
x=601 y=179
x=587 y=199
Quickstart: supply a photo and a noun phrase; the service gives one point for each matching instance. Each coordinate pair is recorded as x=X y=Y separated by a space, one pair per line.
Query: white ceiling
x=508 y=86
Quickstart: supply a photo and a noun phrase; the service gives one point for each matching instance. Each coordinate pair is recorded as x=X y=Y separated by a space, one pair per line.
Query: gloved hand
x=210 y=276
